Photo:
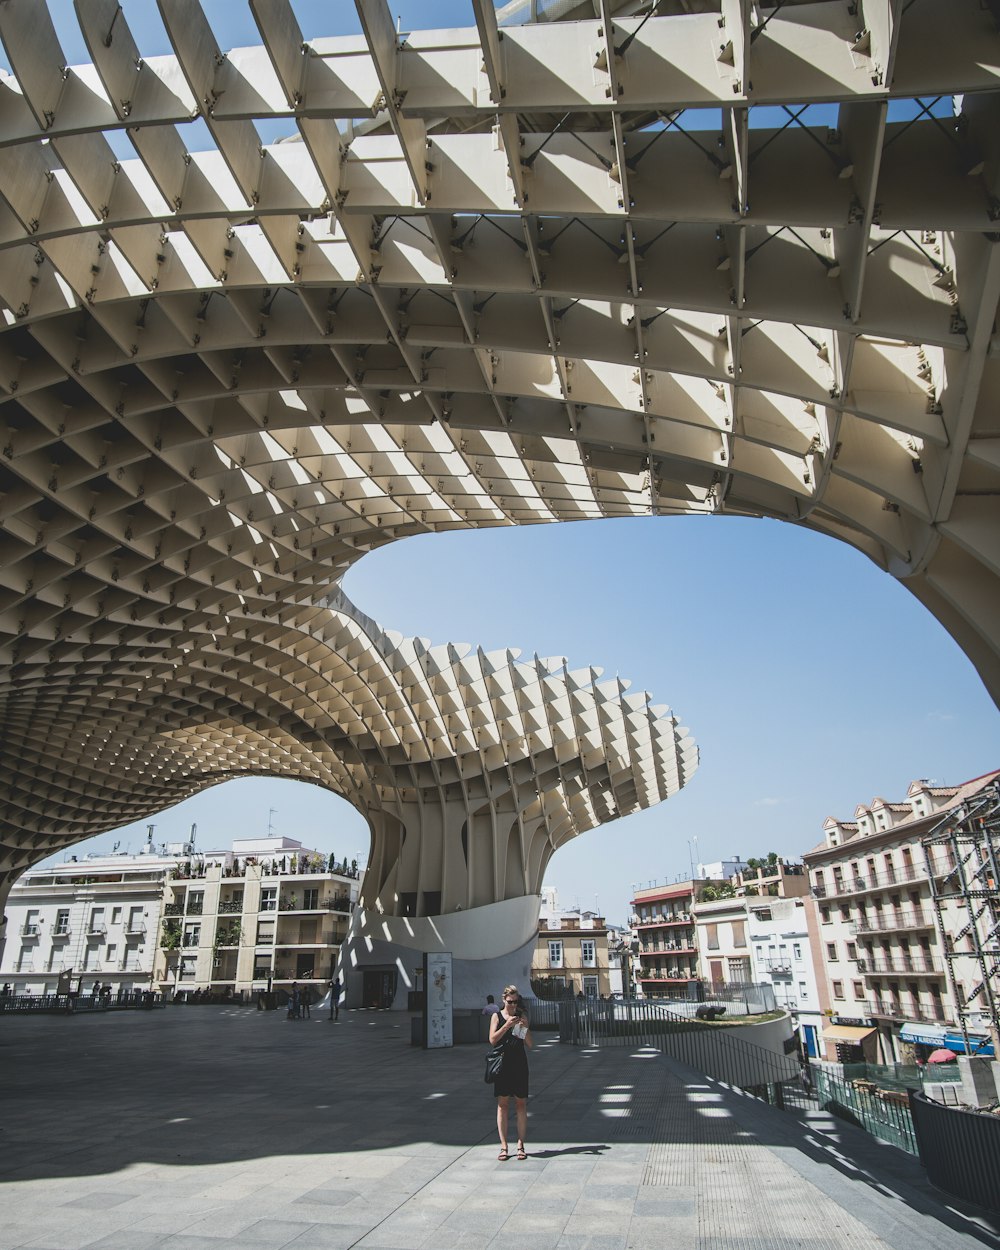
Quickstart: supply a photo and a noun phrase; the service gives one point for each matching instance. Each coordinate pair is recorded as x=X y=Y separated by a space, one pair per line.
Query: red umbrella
x=942 y=1055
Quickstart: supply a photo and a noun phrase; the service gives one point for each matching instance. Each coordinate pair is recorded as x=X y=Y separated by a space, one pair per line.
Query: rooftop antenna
x=194 y=833
x=271 y=811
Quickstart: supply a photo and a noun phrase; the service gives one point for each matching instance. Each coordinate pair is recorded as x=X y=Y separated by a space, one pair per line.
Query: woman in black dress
x=510 y=1024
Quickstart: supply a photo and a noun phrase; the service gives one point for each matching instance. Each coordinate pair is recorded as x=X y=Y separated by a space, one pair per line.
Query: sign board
x=437 y=1000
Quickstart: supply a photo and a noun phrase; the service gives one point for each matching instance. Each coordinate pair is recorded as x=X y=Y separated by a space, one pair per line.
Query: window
x=852 y=951
x=739 y=933
x=261 y=969
x=588 y=953
x=62 y=922
x=187 y=968
x=560 y=982
x=310 y=899
x=859 y=989
x=116 y=915
x=192 y=934
x=265 y=932
x=759 y=952
x=96 y=920
x=110 y=953
x=803 y=992
x=797 y=950
x=269 y=898
x=831 y=951
x=845 y=913
x=824 y=913
x=195 y=902
x=590 y=986
x=712 y=932
x=555 y=955
x=762 y=913
x=739 y=970
x=838 y=989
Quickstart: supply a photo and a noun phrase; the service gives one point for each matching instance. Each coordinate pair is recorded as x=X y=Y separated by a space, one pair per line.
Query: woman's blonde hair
x=511 y=989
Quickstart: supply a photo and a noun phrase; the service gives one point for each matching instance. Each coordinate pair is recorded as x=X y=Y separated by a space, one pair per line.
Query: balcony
x=97 y=930
x=173 y=909
x=191 y=939
x=843 y=887
x=136 y=930
x=903 y=965
x=195 y=909
x=30 y=930
x=231 y=907
x=894 y=921
x=888 y=1008
x=778 y=967
x=61 y=932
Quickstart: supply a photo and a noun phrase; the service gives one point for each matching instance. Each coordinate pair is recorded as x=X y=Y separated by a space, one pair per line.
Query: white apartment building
x=85 y=920
x=258 y=916
x=882 y=946
x=778 y=936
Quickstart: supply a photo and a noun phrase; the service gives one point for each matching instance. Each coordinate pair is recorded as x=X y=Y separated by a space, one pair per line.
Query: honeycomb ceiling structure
x=265 y=309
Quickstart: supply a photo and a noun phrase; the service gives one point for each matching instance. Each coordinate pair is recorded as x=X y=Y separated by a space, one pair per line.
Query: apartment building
x=87 y=920
x=257 y=916
x=882 y=947
x=778 y=933
x=571 y=955
x=666 y=963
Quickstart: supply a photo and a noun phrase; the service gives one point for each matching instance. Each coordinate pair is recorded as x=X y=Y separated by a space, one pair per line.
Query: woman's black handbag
x=494 y=1061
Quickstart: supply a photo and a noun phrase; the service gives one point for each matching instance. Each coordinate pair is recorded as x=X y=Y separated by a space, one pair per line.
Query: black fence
x=960 y=1150
x=73 y=1004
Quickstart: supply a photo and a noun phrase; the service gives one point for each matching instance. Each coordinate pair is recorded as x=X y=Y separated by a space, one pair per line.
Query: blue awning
x=926 y=1034
x=981 y=1046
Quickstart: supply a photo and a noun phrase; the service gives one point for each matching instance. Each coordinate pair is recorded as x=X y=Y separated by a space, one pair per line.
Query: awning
x=926 y=1034
x=981 y=1046
x=851 y=1034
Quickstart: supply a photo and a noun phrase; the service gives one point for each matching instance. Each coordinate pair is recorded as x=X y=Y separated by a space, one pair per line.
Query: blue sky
x=811 y=680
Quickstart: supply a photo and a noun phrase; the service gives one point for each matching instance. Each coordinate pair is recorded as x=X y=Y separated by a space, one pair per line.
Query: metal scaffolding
x=963 y=866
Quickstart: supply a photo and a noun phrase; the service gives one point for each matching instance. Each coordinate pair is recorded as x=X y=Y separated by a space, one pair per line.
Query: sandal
x=522 y=1153
x=503 y=1156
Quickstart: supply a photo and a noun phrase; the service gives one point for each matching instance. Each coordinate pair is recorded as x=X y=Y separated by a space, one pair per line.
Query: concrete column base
x=491 y=947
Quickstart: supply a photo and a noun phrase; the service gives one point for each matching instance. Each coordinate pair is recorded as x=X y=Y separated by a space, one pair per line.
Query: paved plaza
x=202 y=1128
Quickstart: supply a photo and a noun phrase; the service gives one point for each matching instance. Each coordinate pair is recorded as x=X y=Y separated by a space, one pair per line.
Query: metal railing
x=905 y=918
x=901 y=1075
x=893 y=1009
x=129 y=1000
x=706 y=1047
x=869 y=966
x=885 y=1113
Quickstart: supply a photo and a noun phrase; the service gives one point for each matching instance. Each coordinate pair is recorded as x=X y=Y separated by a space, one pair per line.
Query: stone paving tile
x=368 y=1162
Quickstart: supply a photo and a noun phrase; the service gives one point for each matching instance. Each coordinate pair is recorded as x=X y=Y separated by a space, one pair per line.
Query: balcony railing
x=779 y=967
x=858 y=883
x=61 y=931
x=195 y=909
x=892 y=921
x=191 y=939
x=901 y=965
x=231 y=907
x=29 y=930
x=136 y=929
x=97 y=930
x=893 y=1009
x=173 y=909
